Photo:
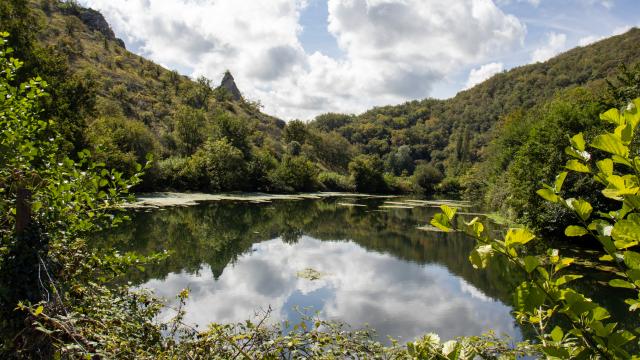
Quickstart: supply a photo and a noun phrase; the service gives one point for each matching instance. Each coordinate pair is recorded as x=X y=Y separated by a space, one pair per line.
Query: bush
x=123 y=143
x=169 y=173
x=216 y=166
x=425 y=178
x=366 y=173
x=295 y=173
x=335 y=182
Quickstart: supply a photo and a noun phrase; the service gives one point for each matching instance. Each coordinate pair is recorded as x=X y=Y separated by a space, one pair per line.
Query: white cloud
x=556 y=43
x=394 y=50
x=482 y=73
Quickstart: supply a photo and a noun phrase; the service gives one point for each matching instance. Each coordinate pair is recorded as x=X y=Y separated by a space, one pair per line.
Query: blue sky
x=301 y=58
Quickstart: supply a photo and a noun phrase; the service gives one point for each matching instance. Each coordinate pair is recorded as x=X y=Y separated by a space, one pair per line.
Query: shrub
x=367 y=174
x=123 y=143
x=335 y=182
x=216 y=166
x=425 y=178
x=295 y=173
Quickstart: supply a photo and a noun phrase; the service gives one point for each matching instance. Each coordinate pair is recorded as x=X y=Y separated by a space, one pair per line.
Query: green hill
x=209 y=138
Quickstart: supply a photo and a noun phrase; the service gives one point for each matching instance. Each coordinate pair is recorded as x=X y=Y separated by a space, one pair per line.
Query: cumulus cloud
x=395 y=297
x=482 y=73
x=556 y=43
x=394 y=50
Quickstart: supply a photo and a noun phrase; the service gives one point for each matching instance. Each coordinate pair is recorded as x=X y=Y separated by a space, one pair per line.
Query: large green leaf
x=605 y=166
x=576 y=165
x=611 y=144
x=574 y=230
x=632 y=260
x=548 y=195
x=518 y=236
x=531 y=263
x=577 y=142
x=480 y=256
x=581 y=207
x=626 y=233
x=557 y=185
x=448 y=211
x=612 y=116
x=619 y=283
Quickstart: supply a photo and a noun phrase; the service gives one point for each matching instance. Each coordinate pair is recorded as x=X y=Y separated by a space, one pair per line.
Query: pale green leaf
x=619 y=283
x=548 y=195
x=577 y=166
x=612 y=116
x=574 y=230
x=518 y=236
x=531 y=263
x=559 y=181
x=610 y=143
x=581 y=207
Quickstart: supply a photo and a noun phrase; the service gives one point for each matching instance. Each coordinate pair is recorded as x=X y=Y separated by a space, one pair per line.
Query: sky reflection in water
x=396 y=297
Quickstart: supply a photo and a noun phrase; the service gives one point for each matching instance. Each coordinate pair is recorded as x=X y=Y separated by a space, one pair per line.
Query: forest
x=86 y=124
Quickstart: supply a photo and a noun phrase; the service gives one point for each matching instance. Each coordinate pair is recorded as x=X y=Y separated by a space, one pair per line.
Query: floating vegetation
x=309 y=274
x=351 y=204
x=166 y=199
x=396 y=207
x=429 y=228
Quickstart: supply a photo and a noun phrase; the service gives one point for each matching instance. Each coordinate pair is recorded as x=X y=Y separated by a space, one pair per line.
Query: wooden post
x=23 y=210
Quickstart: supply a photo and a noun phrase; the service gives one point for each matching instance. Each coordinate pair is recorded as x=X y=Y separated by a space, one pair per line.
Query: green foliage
x=426 y=177
x=335 y=182
x=216 y=166
x=121 y=143
x=49 y=201
x=295 y=173
x=190 y=129
x=295 y=130
x=367 y=174
x=584 y=329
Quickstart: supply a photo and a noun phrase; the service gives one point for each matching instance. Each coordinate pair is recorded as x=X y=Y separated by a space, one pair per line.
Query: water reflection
x=376 y=267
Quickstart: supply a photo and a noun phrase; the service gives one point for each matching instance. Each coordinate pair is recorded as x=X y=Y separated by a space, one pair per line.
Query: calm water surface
x=376 y=267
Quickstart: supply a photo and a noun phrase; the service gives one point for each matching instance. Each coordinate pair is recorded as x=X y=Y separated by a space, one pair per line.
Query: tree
x=295 y=173
x=295 y=130
x=426 y=177
x=122 y=143
x=190 y=129
x=216 y=166
x=367 y=174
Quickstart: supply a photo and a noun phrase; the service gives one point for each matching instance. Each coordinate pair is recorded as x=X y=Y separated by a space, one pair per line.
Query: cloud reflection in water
x=397 y=298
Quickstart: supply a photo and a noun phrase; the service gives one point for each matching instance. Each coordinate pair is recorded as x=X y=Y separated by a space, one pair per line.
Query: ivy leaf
x=38 y=310
x=574 y=231
x=610 y=143
x=518 y=236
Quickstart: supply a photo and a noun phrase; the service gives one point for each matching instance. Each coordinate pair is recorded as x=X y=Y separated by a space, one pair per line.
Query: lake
x=362 y=261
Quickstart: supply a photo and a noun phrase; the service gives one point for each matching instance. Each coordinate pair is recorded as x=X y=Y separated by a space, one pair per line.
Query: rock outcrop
x=229 y=84
x=95 y=22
